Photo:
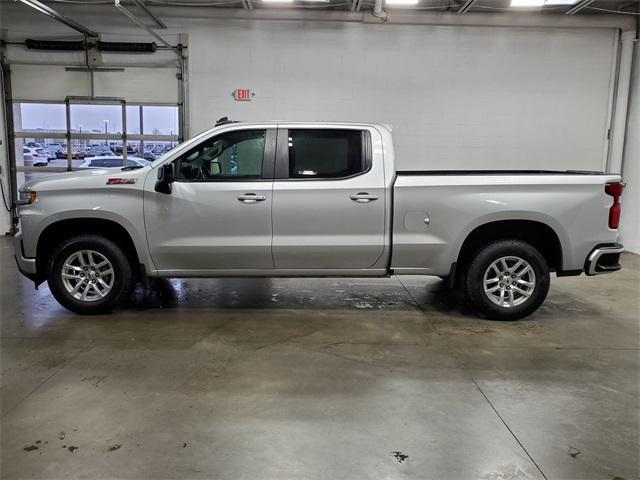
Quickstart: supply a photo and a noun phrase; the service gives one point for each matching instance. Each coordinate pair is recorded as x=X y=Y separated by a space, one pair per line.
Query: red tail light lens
x=615 y=190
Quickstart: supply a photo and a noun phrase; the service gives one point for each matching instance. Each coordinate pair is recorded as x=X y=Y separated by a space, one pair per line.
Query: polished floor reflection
x=321 y=378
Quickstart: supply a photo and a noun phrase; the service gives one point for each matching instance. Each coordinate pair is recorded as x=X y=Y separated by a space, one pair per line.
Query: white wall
x=630 y=226
x=458 y=97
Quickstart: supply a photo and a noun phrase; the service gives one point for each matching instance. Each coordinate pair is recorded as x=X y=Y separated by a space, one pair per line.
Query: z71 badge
x=121 y=181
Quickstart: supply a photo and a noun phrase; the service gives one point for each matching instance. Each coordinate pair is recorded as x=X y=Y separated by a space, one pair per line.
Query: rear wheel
x=507 y=280
x=90 y=274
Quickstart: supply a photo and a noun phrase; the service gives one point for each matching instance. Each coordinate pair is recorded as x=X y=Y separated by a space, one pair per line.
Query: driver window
x=233 y=155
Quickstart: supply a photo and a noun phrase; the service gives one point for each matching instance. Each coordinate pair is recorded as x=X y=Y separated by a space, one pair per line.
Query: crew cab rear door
x=328 y=199
x=218 y=214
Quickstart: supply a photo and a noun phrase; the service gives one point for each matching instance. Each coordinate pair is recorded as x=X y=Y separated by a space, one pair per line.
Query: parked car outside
x=113 y=162
x=79 y=153
x=47 y=152
x=43 y=153
x=55 y=149
x=98 y=150
x=150 y=156
x=39 y=158
x=118 y=150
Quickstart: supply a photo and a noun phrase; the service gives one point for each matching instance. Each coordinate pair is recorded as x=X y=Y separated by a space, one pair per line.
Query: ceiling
x=586 y=7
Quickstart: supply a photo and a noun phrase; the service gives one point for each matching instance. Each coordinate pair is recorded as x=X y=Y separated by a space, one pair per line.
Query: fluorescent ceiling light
x=560 y=2
x=527 y=3
x=402 y=2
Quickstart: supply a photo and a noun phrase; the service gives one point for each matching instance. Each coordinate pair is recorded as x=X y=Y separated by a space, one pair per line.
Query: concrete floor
x=321 y=379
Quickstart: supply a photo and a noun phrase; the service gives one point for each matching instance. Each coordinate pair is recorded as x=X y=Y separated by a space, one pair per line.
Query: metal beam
x=50 y=12
x=135 y=20
x=579 y=6
x=466 y=6
x=157 y=21
x=10 y=175
x=247 y=4
x=476 y=19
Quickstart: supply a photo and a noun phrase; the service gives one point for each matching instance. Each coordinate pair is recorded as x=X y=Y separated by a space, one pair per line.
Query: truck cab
x=292 y=197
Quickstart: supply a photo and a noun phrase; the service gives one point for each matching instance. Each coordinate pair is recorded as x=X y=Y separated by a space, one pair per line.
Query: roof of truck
x=225 y=121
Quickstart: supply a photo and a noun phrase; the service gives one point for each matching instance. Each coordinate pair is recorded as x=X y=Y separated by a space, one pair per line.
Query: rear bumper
x=604 y=259
x=27 y=266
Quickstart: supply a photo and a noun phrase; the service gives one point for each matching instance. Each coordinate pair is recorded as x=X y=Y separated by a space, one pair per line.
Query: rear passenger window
x=113 y=162
x=333 y=153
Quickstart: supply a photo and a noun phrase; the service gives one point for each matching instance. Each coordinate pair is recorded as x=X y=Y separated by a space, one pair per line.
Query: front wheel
x=507 y=280
x=90 y=274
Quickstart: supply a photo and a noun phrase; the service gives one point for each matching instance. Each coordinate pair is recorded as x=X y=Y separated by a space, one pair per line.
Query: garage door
x=127 y=112
x=55 y=83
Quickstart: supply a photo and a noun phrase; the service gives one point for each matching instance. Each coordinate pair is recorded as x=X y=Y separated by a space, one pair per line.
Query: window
x=41 y=117
x=96 y=163
x=105 y=119
x=160 y=120
x=326 y=153
x=113 y=162
x=235 y=155
x=42 y=125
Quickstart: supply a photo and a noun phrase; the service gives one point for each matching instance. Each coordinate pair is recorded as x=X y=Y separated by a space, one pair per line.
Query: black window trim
x=268 y=158
x=282 y=154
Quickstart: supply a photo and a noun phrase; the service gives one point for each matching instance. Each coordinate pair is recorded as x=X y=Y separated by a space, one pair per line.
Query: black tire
x=473 y=281
x=123 y=277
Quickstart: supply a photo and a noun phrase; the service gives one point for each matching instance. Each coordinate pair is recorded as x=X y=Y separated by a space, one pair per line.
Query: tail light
x=614 y=189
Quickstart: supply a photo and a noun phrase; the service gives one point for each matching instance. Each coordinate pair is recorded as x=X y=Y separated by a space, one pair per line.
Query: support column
x=621 y=103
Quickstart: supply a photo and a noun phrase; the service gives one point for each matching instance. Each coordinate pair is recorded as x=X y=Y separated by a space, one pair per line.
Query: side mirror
x=166 y=176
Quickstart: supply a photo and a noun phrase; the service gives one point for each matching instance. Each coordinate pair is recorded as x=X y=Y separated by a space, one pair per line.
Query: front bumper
x=604 y=259
x=27 y=266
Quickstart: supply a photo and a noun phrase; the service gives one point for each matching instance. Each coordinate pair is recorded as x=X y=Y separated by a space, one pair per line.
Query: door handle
x=251 y=198
x=363 y=197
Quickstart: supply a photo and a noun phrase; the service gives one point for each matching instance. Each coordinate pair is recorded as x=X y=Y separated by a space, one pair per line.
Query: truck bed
x=434 y=211
x=500 y=172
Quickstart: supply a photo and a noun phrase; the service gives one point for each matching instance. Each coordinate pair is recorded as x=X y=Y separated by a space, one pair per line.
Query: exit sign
x=243 y=94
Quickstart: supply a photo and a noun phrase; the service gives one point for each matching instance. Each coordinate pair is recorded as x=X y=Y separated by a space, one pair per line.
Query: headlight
x=27 y=198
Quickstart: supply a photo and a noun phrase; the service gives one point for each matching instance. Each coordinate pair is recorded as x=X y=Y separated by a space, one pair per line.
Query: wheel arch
x=538 y=234
x=57 y=231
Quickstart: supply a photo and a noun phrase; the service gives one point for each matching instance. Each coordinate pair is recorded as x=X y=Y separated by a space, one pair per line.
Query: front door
x=328 y=200
x=218 y=214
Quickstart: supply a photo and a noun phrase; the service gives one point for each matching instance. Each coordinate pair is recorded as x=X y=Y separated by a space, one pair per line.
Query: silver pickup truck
x=314 y=199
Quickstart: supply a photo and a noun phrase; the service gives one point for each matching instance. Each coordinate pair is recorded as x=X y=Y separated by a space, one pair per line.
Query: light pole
x=81 y=142
x=106 y=123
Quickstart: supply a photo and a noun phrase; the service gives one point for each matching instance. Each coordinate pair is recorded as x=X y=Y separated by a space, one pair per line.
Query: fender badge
x=121 y=181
